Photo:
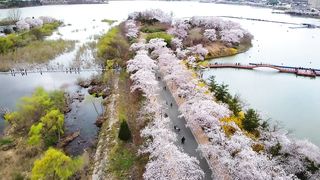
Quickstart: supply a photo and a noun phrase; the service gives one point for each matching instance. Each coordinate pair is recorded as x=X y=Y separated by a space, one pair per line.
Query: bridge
x=303 y=25
x=299 y=71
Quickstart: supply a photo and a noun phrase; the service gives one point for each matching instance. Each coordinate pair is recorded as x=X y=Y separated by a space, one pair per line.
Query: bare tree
x=14 y=14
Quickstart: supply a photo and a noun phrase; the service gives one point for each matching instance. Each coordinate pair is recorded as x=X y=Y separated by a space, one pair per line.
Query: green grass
x=109 y=21
x=16 y=40
x=5 y=141
x=121 y=160
x=113 y=46
x=167 y=37
x=157 y=27
x=35 y=52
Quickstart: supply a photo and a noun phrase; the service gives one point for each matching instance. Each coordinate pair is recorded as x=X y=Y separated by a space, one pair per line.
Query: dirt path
x=101 y=155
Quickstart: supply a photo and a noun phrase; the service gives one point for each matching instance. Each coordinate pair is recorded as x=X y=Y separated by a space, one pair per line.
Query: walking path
x=190 y=146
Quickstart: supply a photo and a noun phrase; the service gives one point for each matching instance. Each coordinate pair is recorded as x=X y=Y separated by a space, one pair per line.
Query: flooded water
x=293 y=101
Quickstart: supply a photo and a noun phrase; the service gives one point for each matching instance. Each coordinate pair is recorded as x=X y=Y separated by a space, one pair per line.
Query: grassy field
x=35 y=52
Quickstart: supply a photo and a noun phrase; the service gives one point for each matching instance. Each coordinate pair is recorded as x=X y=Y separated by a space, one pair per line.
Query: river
x=292 y=101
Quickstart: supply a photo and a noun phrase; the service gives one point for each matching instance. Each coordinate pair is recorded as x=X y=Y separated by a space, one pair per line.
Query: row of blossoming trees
x=280 y=157
x=167 y=161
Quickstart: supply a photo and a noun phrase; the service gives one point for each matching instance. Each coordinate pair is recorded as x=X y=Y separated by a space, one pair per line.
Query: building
x=314 y=4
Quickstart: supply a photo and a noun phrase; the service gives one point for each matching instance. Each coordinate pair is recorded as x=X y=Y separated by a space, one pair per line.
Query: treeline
x=19 y=3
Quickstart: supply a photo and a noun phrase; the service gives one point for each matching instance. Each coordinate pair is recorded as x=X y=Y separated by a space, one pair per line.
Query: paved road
x=190 y=144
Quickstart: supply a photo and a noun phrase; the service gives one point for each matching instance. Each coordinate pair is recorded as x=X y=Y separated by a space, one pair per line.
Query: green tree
x=35 y=135
x=275 y=150
x=251 y=120
x=124 y=132
x=235 y=105
x=53 y=123
x=30 y=110
x=55 y=165
x=113 y=45
x=212 y=84
x=222 y=94
x=58 y=100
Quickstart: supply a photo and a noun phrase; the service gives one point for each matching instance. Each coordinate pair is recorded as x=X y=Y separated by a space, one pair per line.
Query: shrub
x=113 y=45
x=124 y=131
x=55 y=164
x=162 y=35
x=228 y=130
x=212 y=84
x=275 y=150
x=251 y=120
x=221 y=93
x=235 y=119
x=5 y=44
x=257 y=147
x=234 y=105
x=31 y=110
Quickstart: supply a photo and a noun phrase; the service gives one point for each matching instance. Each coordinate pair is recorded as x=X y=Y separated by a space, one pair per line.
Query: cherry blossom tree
x=235 y=153
x=132 y=29
x=22 y=25
x=199 y=51
x=210 y=34
x=176 y=43
x=34 y=22
x=47 y=19
x=137 y=46
x=150 y=15
x=180 y=29
x=232 y=35
x=167 y=161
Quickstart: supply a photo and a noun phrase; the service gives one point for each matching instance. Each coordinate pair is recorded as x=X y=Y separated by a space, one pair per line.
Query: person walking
x=175 y=127
x=183 y=139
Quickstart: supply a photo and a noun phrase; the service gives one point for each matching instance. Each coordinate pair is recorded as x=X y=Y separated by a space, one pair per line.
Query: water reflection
x=82 y=117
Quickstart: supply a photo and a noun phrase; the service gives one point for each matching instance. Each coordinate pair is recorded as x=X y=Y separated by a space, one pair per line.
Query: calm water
x=293 y=101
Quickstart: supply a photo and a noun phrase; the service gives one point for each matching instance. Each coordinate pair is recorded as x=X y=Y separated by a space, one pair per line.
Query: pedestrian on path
x=183 y=139
x=175 y=127
x=164 y=87
x=170 y=104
